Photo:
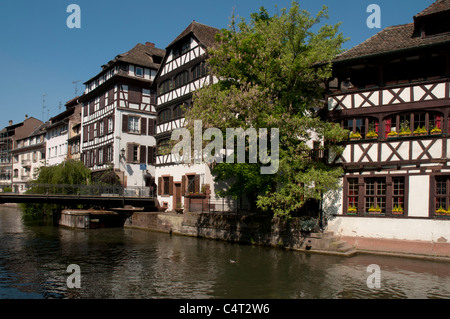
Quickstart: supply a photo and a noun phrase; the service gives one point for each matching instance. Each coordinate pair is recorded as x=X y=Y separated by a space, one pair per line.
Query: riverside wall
x=246 y=229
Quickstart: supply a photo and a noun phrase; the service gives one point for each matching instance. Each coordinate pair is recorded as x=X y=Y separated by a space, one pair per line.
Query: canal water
x=134 y=264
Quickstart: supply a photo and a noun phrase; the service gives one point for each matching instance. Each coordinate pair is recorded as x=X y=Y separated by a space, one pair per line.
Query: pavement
x=439 y=251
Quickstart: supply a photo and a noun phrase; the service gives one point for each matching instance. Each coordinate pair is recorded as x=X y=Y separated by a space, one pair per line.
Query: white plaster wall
x=419 y=196
x=62 y=153
x=132 y=171
x=177 y=171
x=391 y=228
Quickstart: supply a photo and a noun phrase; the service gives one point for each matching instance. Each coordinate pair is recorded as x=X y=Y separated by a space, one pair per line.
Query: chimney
x=10 y=122
x=26 y=116
x=150 y=44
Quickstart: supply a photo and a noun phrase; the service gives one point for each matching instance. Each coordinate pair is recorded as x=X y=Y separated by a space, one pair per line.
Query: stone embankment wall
x=247 y=229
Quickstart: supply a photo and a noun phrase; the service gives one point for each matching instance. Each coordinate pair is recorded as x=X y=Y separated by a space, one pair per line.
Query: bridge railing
x=90 y=190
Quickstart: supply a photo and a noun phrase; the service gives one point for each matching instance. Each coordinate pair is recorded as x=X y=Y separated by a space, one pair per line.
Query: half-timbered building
x=392 y=93
x=182 y=71
x=118 y=116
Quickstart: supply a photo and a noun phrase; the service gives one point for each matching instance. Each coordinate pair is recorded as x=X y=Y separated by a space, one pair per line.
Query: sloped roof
x=399 y=37
x=391 y=39
x=141 y=54
x=204 y=33
x=438 y=6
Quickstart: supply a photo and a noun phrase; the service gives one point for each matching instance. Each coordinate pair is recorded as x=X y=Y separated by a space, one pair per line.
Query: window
x=132 y=153
x=375 y=195
x=398 y=194
x=101 y=128
x=139 y=71
x=178 y=111
x=133 y=124
x=166 y=185
x=165 y=86
x=191 y=184
x=181 y=79
x=413 y=123
x=100 y=156
x=199 y=70
x=164 y=116
x=186 y=47
x=110 y=124
x=352 y=195
x=361 y=126
x=109 y=152
x=442 y=193
x=135 y=153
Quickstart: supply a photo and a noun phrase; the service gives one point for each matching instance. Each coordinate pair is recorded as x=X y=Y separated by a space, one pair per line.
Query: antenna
x=76 y=88
x=59 y=106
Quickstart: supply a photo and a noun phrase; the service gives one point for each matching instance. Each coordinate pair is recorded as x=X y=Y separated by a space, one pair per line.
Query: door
x=177 y=196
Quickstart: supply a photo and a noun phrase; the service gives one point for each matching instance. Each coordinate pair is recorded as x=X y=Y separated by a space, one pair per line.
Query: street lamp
x=122 y=152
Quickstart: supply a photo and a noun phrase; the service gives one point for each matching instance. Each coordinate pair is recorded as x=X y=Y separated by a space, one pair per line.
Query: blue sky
x=40 y=55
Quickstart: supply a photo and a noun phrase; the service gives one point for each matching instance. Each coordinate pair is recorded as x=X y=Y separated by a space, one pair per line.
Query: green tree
x=271 y=72
x=70 y=172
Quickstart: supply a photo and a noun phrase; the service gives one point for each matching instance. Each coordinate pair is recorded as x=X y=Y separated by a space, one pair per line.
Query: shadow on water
x=131 y=263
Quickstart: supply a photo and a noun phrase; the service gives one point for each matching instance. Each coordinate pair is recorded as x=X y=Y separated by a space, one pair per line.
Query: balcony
x=26 y=163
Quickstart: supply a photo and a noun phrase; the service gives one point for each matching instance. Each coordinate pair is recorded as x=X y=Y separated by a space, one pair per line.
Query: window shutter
x=143 y=126
x=160 y=185
x=130 y=153
x=85 y=133
x=91 y=107
x=151 y=127
x=91 y=136
x=134 y=94
x=111 y=96
x=183 y=185
x=125 y=123
x=102 y=101
x=150 y=155
x=171 y=185
x=105 y=126
x=142 y=154
x=152 y=97
x=105 y=154
x=197 y=184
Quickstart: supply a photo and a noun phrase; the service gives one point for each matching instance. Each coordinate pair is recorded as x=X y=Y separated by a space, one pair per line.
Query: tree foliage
x=271 y=71
x=70 y=172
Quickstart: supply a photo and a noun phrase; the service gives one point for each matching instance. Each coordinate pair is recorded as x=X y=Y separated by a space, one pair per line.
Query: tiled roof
x=398 y=38
x=204 y=33
x=438 y=6
x=141 y=54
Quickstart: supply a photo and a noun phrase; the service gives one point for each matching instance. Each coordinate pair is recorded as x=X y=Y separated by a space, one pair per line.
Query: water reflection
x=130 y=263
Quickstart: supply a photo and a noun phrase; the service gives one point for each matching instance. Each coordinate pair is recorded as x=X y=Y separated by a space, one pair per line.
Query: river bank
x=254 y=230
x=263 y=231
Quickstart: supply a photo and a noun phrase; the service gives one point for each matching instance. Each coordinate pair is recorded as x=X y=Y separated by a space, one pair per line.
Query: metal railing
x=90 y=190
x=216 y=205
